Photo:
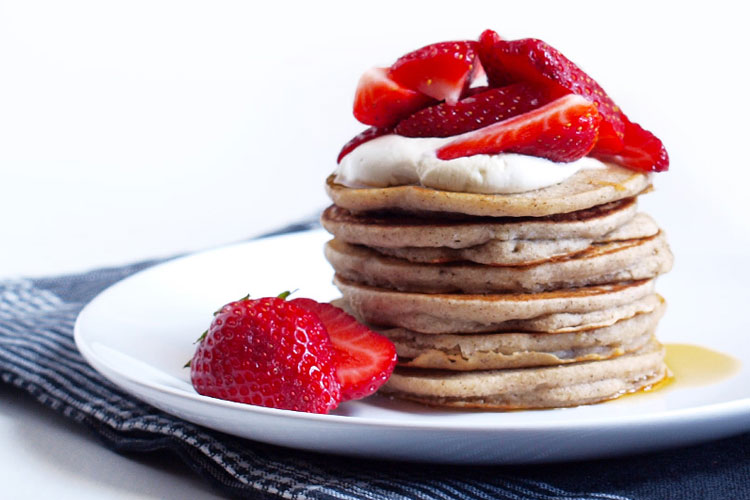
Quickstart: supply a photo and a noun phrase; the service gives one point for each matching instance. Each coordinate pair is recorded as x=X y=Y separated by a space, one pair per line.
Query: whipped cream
x=394 y=160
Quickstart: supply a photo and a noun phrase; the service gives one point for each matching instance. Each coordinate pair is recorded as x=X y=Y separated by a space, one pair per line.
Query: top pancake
x=585 y=189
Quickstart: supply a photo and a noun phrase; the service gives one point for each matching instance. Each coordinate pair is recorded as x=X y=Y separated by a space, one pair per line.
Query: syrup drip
x=692 y=366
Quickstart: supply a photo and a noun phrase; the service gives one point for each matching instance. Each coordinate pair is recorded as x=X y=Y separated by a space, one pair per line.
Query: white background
x=137 y=129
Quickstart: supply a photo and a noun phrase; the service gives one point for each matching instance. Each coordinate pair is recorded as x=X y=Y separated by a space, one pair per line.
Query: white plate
x=140 y=332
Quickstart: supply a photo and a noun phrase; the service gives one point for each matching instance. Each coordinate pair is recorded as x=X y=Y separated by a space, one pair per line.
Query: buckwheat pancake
x=581 y=322
x=492 y=351
x=451 y=313
x=398 y=230
x=585 y=189
x=565 y=322
x=523 y=252
x=528 y=388
x=603 y=263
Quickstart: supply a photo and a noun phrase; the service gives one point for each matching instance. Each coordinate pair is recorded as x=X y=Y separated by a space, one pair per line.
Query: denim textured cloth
x=37 y=355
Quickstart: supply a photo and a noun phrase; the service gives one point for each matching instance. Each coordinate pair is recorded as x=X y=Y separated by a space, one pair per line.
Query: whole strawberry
x=267 y=352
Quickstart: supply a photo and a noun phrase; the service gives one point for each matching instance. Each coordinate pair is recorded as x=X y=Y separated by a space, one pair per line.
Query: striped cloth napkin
x=37 y=355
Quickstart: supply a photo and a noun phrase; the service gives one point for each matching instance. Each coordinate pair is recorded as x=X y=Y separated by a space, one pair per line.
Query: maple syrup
x=692 y=365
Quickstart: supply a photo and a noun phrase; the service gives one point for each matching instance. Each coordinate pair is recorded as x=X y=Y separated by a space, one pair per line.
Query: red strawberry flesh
x=476 y=111
x=642 y=151
x=533 y=61
x=563 y=130
x=441 y=70
x=381 y=102
x=493 y=68
x=364 y=359
x=267 y=352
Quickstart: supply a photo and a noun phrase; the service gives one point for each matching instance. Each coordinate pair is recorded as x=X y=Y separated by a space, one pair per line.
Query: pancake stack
x=532 y=300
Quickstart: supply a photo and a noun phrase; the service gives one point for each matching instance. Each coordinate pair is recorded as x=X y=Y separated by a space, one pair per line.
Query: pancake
x=548 y=323
x=599 y=264
x=581 y=322
x=528 y=388
x=391 y=230
x=585 y=189
x=523 y=252
x=492 y=351
x=450 y=313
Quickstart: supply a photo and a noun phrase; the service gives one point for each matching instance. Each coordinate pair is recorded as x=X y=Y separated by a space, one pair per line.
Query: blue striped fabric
x=37 y=354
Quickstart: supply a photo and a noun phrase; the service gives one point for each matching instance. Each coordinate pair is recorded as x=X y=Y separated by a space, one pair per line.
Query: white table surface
x=131 y=130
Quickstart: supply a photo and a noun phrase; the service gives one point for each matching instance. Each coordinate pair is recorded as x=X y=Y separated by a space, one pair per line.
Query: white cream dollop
x=394 y=160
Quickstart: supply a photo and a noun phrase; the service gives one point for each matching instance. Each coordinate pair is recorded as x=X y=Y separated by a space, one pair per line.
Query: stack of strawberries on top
x=487 y=224
x=432 y=92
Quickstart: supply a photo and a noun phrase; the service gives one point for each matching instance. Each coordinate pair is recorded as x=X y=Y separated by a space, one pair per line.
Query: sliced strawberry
x=441 y=70
x=474 y=112
x=563 y=130
x=642 y=151
x=382 y=102
x=478 y=78
x=493 y=68
x=368 y=135
x=531 y=60
x=475 y=90
x=364 y=359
